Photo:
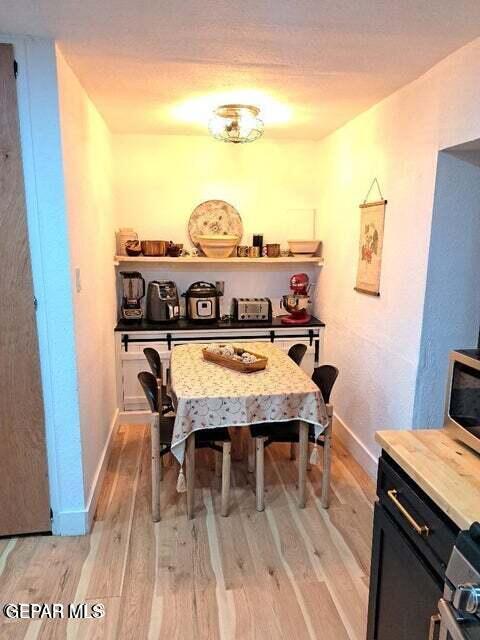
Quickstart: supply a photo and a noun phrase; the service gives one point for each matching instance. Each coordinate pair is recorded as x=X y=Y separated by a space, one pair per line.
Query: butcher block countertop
x=447 y=470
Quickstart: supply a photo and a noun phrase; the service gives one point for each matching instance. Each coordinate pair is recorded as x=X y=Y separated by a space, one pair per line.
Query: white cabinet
x=132 y=360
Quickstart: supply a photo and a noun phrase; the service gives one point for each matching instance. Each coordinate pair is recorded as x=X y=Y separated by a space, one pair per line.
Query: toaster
x=248 y=309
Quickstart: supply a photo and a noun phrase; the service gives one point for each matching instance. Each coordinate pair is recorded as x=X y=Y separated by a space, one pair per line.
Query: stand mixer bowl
x=295 y=304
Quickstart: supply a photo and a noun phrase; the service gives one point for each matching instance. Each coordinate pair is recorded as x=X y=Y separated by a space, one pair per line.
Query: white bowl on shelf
x=218 y=246
x=303 y=247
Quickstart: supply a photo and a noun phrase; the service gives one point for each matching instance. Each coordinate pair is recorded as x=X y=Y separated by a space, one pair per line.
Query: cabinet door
x=404 y=591
x=132 y=363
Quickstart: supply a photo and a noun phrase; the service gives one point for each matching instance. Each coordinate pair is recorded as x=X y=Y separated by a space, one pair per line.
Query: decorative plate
x=214 y=217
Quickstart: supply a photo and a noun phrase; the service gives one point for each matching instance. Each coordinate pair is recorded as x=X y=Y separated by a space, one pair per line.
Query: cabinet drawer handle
x=421 y=529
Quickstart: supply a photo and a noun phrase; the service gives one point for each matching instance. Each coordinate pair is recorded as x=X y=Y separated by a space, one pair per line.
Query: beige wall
x=159 y=180
x=376 y=341
x=88 y=179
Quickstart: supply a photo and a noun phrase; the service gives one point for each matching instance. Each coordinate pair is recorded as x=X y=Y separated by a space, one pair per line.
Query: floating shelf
x=315 y=260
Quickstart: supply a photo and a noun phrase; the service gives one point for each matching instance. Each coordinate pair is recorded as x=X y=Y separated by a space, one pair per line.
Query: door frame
x=37 y=97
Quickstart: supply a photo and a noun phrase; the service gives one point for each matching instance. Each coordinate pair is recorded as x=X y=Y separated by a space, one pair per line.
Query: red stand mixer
x=296 y=303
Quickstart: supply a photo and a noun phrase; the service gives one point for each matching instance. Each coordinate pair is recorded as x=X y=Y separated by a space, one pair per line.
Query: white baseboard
x=134 y=417
x=100 y=473
x=77 y=523
x=70 y=523
x=365 y=458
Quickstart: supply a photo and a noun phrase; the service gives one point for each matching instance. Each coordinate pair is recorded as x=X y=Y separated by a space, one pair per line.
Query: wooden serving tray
x=236 y=365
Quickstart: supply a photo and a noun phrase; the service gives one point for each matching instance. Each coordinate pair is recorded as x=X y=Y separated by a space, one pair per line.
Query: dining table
x=208 y=395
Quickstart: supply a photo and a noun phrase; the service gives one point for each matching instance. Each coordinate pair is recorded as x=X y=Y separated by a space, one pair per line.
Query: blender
x=296 y=303
x=133 y=290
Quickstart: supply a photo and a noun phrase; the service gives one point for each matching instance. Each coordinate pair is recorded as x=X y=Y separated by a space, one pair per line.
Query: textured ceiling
x=140 y=60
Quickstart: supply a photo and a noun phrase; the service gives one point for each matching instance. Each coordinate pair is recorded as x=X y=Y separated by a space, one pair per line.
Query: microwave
x=462 y=406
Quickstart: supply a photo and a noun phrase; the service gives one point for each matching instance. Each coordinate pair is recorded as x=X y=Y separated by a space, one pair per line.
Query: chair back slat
x=296 y=353
x=154 y=361
x=324 y=377
x=150 y=388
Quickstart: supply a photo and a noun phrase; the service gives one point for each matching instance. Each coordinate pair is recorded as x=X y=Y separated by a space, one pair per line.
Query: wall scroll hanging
x=372 y=218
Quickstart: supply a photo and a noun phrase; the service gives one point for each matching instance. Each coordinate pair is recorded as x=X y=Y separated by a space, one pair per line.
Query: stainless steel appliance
x=133 y=290
x=202 y=302
x=462 y=407
x=248 y=309
x=162 y=301
x=459 y=609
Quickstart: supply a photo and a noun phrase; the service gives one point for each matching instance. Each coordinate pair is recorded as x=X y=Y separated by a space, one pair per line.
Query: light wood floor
x=284 y=573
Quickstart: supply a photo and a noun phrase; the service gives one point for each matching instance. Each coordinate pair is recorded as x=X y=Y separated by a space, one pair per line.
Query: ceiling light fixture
x=236 y=123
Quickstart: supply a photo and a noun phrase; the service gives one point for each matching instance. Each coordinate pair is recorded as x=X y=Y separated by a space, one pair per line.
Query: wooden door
x=24 y=497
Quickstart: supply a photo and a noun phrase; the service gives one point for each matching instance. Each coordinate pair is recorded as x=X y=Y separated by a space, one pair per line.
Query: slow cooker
x=202 y=302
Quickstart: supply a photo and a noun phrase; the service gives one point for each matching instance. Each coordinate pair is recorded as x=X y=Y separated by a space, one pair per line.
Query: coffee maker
x=133 y=290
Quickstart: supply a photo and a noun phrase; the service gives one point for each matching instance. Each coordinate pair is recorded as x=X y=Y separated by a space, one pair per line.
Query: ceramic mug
x=273 y=250
x=242 y=251
x=174 y=250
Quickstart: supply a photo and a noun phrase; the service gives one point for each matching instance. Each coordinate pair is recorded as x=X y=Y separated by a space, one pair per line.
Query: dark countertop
x=187 y=325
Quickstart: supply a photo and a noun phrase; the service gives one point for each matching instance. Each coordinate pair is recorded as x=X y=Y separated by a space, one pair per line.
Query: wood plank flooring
x=284 y=573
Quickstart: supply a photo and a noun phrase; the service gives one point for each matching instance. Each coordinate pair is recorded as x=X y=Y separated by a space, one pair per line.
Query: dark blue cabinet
x=407 y=568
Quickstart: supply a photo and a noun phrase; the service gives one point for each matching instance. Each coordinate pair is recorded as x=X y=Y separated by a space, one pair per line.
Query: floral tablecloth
x=209 y=395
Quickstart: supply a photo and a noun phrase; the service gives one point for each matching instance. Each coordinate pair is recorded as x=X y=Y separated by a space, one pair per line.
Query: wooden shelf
x=315 y=260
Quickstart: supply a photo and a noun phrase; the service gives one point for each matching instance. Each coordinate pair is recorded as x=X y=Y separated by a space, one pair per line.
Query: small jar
x=257 y=241
x=273 y=250
x=123 y=236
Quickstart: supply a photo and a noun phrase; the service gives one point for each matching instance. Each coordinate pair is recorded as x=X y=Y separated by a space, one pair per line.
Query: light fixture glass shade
x=236 y=123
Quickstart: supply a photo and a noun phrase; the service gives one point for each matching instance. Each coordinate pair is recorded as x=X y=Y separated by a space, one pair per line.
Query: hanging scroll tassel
x=314 y=455
x=181 y=485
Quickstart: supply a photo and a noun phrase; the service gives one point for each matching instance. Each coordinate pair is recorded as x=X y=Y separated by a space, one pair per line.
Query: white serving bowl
x=218 y=246
x=303 y=247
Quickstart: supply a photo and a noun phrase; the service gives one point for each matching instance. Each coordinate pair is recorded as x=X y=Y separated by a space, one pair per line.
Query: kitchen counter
x=447 y=470
x=183 y=324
